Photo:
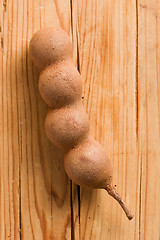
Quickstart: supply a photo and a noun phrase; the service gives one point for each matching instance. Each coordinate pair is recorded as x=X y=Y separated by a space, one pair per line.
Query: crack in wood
x=1 y=38
x=137 y=117
x=137 y=100
x=1 y=42
x=5 y=5
x=140 y=197
x=78 y=187
x=79 y=203
x=71 y=190
x=20 y=204
x=71 y=9
x=51 y=198
x=72 y=212
x=78 y=59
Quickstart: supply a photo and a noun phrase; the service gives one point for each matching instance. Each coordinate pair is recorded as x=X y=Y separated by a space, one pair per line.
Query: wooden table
x=117 y=50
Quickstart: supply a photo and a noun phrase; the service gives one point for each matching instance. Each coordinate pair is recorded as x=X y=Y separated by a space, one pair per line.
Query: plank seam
x=137 y=87
x=71 y=189
x=137 y=117
x=71 y=9
x=72 y=212
x=20 y=205
x=140 y=197
x=78 y=187
x=79 y=205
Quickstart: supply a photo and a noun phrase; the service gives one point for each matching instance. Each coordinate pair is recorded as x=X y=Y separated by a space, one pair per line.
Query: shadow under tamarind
x=43 y=156
x=46 y=159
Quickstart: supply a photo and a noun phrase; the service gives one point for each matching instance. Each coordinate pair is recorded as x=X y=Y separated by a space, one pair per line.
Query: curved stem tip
x=112 y=192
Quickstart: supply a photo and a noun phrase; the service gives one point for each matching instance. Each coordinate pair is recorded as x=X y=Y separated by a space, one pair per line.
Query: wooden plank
x=106 y=35
x=34 y=188
x=51 y=213
x=9 y=128
x=149 y=116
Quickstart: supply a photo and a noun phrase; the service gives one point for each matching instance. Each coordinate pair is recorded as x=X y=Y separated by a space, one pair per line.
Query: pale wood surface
x=116 y=47
x=149 y=117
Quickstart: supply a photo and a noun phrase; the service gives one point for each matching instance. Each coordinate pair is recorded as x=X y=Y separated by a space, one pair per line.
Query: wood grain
x=35 y=191
x=149 y=116
x=107 y=59
x=117 y=51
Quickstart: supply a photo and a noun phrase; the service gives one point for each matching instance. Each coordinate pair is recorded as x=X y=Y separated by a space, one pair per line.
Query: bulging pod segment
x=67 y=127
x=88 y=164
x=60 y=84
x=48 y=46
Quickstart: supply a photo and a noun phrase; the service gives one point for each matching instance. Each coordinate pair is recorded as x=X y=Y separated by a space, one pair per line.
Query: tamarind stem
x=112 y=192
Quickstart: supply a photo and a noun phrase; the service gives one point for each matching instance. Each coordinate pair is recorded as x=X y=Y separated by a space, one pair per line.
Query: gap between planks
x=78 y=187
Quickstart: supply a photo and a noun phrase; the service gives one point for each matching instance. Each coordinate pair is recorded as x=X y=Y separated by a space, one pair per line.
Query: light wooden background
x=117 y=50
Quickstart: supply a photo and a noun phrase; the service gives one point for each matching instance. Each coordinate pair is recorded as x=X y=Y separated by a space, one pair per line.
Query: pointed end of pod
x=112 y=192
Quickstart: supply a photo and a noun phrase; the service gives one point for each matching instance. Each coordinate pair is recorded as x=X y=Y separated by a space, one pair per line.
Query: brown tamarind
x=67 y=124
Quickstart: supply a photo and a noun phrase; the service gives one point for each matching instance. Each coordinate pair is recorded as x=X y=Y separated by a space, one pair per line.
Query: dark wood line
x=78 y=187
x=3 y=118
x=140 y=197
x=147 y=127
x=5 y=5
x=72 y=212
x=8 y=79
x=157 y=69
x=18 y=130
x=2 y=42
x=137 y=80
x=71 y=189
x=71 y=16
x=79 y=204
x=20 y=196
x=12 y=66
x=137 y=118
x=78 y=58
